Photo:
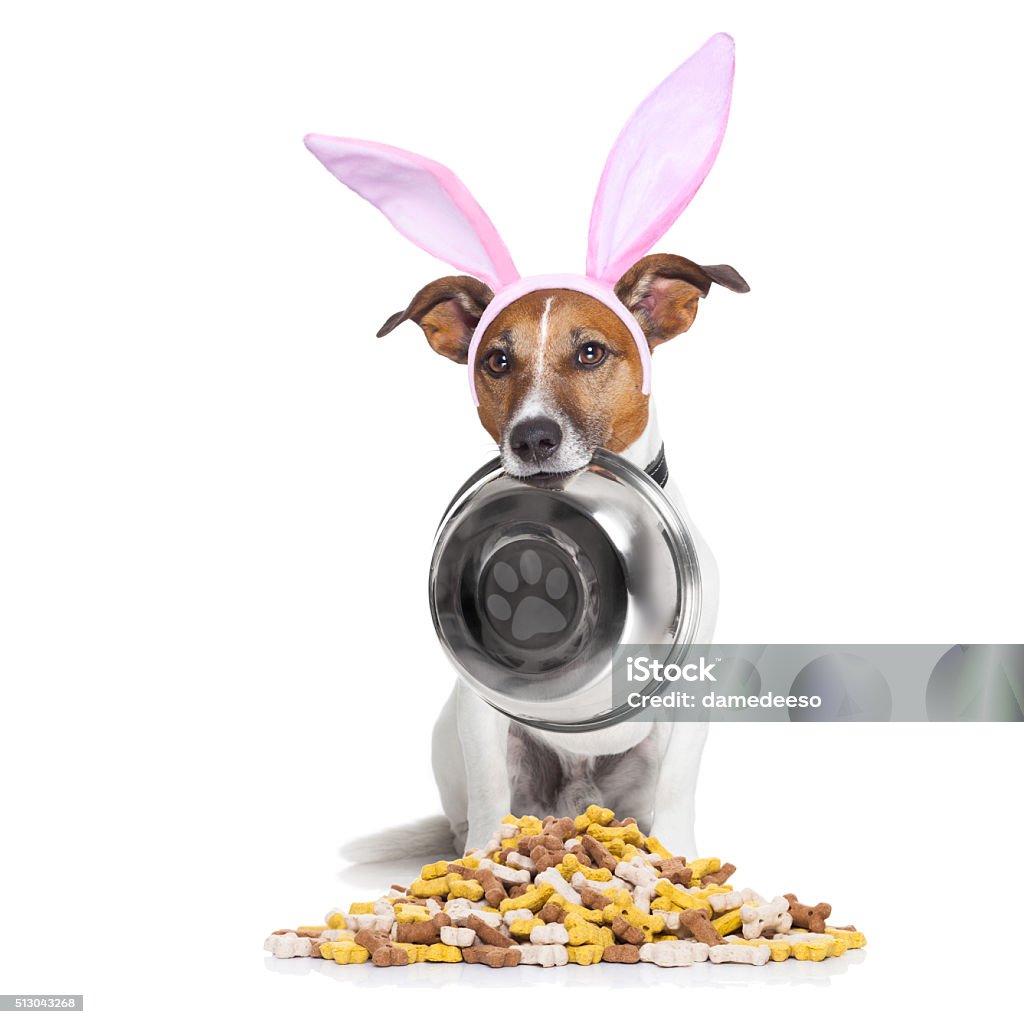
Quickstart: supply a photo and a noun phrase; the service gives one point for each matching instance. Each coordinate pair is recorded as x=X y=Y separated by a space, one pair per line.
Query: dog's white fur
x=471 y=738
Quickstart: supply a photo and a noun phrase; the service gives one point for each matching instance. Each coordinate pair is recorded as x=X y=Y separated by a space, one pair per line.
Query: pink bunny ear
x=660 y=159
x=424 y=200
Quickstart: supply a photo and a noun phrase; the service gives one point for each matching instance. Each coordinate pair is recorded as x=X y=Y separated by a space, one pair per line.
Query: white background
x=219 y=490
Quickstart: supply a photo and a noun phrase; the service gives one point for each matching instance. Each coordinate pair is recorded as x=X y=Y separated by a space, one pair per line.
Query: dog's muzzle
x=537 y=583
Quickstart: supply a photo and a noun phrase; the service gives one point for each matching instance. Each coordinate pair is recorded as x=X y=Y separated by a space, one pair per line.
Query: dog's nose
x=535 y=439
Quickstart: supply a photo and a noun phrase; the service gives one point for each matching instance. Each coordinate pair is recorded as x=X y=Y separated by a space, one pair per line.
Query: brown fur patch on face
x=541 y=335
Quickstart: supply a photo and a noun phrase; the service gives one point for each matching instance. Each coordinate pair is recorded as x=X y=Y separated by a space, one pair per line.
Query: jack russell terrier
x=556 y=373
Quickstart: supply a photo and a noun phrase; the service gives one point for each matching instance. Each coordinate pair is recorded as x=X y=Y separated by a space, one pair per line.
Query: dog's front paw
x=529 y=594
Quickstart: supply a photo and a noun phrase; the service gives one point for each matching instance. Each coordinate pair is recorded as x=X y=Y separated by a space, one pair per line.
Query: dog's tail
x=426 y=838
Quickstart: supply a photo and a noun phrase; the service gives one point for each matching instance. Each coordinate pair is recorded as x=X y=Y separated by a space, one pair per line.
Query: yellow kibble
x=703 y=866
x=468 y=862
x=585 y=955
x=411 y=913
x=417 y=952
x=360 y=908
x=603 y=834
x=510 y=819
x=425 y=889
x=600 y=815
x=464 y=888
x=349 y=953
x=530 y=826
x=336 y=920
x=681 y=899
x=533 y=899
x=521 y=928
x=728 y=922
x=663 y=903
x=435 y=870
x=779 y=950
x=591 y=916
x=440 y=953
x=815 y=950
x=606 y=937
x=509 y=844
x=653 y=845
x=581 y=933
x=854 y=940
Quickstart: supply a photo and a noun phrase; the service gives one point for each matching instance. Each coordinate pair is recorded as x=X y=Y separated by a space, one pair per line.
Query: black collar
x=658 y=469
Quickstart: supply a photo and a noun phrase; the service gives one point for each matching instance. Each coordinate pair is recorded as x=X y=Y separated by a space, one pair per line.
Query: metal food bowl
x=536 y=582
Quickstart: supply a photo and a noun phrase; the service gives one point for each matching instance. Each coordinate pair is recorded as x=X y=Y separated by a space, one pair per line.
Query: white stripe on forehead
x=543 y=340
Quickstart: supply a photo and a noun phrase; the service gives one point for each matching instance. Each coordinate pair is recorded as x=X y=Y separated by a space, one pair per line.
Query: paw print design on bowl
x=529 y=595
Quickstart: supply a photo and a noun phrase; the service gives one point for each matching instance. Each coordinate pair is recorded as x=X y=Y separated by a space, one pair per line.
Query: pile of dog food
x=571 y=891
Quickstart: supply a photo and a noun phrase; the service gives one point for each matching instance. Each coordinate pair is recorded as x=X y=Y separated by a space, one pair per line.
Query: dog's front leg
x=483 y=733
x=677 y=786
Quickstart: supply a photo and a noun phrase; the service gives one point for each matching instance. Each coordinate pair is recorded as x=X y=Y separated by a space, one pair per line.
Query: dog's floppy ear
x=448 y=310
x=662 y=292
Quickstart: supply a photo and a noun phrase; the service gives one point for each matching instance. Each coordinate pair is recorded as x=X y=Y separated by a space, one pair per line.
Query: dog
x=559 y=367
x=558 y=376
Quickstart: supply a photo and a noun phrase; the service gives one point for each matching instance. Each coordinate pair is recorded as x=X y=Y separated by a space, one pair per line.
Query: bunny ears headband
x=658 y=162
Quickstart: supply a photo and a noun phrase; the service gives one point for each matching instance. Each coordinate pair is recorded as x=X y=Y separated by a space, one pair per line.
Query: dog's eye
x=497 y=363
x=591 y=354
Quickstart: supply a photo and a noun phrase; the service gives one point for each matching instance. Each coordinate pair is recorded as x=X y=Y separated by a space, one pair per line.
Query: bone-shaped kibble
x=585 y=955
x=723 y=901
x=461 y=937
x=516 y=915
x=494 y=956
x=551 y=913
x=719 y=877
x=543 y=956
x=489 y=935
x=287 y=945
x=549 y=934
x=735 y=953
x=766 y=918
x=698 y=923
x=621 y=954
x=511 y=876
x=627 y=932
x=380 y=949
x=672 y=953
x=421 y=932
x=805 y=916
x=553 y=877
x=517 y=860
x=642 y=896
x=636 y=872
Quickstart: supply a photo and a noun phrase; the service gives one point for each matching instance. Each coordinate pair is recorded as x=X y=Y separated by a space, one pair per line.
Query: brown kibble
x=410 y=899
x=518 y=889
x=698 y=922
x=527 y=844
x=494 y=891
x=308 y=933
x=626 y=954
x=720 y=876
x=423 y=932
x=488 y=934
x=626 y=932
x=399 y=888
x=676 y=871
x=372 y=940
x=551 y=913
x=492 y=956
x=598 y=853
x=805 y=916
x=389 y=956
x=560 y=828
x=615 y=823
x=592 y=899
x=544 y=858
